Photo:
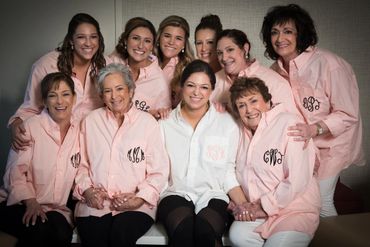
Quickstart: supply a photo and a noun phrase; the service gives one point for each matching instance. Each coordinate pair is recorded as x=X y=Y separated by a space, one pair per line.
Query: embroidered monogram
x=215 y=152
x=135 y=155
x=311 y=103
x=76 y=159
x=141 y=105
x=273 y=157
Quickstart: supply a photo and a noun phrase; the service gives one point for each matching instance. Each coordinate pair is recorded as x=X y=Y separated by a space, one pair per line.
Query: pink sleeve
x=157 y=168
x=82 y=179
x=344 y=100
x=298 y=171
x=32 y=103
x=18 y=175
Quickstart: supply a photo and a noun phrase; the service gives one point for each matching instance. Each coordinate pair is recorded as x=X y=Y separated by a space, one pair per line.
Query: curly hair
x=65 y=58
x=245 y=85
x=306 y=32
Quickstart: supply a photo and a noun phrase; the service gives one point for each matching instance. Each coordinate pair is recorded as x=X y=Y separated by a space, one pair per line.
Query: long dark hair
x=65 y=59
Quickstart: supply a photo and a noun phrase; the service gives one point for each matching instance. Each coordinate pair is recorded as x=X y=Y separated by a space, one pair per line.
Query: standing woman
x=201 y=146
x=173 y=51
x=275 y=172
x=233 y=51
x=39 y=180
x=124 y=166
x=80 y=56
x=325 y=92
x=205 y=40
x=134 y=48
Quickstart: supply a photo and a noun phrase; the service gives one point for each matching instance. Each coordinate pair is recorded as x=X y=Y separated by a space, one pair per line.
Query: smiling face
x=59 y=102
x=205 y=44
x=196 y=91
x=231 y=57
x=86 y=42
x=172 y=41
x=284 y=40
x=116 y=95
x=139 y=46
x=250 y=108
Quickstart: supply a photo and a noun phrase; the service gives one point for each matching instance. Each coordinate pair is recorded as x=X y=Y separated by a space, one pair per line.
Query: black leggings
x=123 y=229
x=185 y=228
x=56 y=231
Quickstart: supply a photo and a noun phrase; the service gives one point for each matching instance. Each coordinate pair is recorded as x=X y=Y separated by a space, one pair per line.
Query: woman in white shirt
x=201 y=144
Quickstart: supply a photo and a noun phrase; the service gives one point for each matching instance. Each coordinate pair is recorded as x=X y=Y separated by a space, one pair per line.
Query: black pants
x=185 y=228
x=56 y=231
x=123 y=229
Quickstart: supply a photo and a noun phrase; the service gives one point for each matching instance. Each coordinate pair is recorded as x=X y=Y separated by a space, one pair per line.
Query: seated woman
x=201 y=144
x=275 y=172
x=38 y=180
x=124 y=166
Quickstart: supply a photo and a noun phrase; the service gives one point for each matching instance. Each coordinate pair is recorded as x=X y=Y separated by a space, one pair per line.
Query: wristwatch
x=319 y=130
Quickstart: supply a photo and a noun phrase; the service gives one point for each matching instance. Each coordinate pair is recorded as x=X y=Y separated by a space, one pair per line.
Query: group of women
x=236 y=144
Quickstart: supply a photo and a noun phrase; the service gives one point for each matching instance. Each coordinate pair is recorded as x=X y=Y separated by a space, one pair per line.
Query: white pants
x=327 y=189
x=242 y=235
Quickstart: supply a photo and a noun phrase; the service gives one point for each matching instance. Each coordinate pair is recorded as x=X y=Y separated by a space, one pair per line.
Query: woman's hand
x=249 y=211
x=302 y=132
x=33 y=210
x=161 y=113
x=126 y=201
x=19 y=142
x=95 y=197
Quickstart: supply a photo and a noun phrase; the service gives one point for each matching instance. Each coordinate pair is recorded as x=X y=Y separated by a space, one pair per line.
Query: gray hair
x=115 y=68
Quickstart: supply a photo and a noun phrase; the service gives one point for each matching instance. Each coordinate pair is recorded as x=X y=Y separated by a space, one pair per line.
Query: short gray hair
x=115 y=68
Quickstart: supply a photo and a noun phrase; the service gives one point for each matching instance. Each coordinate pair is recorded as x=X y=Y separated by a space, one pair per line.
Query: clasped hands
x=247 y=211
x=95 y=198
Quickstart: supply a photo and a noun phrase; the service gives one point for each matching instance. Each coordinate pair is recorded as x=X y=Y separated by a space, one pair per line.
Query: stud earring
x=72 y=47
x=182 y=50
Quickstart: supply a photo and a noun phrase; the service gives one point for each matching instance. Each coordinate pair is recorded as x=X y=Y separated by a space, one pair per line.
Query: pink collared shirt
x=87 y=97
x=151 y=92
x=274 y=168
x=278 y=86
x=130 y=158
x=169 y=69
x=325 y=88
x=47 y=169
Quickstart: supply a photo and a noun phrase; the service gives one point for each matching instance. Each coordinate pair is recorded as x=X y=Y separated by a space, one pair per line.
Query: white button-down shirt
x=202 y=160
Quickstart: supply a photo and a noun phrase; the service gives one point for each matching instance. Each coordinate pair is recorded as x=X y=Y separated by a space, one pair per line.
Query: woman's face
x=139 y=45
x=172 y=41
x=284 y=40
x=196 y=91
x=250 y=108
x=116 y=95
x=85 y=41
x=205 y=44
x=59 y=102
x=231 y=57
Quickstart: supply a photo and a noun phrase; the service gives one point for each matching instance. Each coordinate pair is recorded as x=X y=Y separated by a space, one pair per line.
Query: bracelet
x=319 y=130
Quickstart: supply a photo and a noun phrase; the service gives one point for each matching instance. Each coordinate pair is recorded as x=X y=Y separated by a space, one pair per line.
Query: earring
x=72 y=47
x=246 y=56
x=182 y=50
x=125 y=47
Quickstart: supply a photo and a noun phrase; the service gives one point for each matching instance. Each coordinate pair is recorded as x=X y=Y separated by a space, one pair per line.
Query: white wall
x=31 y=28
